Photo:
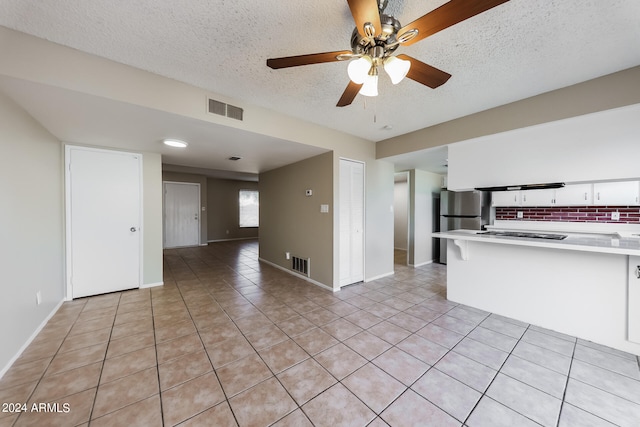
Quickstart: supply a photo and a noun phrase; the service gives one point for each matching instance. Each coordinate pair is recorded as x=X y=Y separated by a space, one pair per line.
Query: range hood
x=523 y=187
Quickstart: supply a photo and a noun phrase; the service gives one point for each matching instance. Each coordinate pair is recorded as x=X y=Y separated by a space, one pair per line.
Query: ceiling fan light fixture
x=396 y=68
x=359 y=69
x=370 y=86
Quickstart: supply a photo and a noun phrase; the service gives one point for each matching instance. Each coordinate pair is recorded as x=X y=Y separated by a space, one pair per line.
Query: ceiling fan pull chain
x=375 y=110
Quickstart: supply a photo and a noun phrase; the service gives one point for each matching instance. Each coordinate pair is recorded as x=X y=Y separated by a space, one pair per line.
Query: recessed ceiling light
x=175 y=143
x=234 y=158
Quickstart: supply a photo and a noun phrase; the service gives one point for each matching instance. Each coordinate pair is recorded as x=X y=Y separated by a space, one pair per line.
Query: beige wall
x=604 y=93
x=31 y=227
x=197 y=179
x=152 y=260
x=291 y=222
x=224 y=211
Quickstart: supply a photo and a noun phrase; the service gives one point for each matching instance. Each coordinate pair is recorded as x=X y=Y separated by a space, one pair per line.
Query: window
x=249 y=208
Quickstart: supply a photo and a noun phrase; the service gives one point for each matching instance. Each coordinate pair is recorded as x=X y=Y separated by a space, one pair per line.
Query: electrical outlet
x=615 y=216
x=287 y=255
x=520 y=215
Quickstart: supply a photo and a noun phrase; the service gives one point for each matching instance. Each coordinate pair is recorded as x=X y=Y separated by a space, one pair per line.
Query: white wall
x=597 y=146
x=31 y=228
x=378 y=218
x=401 y=215
x=423 y=187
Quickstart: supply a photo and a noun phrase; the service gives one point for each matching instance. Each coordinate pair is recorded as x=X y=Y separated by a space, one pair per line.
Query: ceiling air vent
x=222 y=109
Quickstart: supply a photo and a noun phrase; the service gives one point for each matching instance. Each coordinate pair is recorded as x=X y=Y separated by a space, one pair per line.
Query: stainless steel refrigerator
x=462 y=210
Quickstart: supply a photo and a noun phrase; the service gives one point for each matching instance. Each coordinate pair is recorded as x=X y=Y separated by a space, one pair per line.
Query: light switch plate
x=324 y=208
x=308 y=193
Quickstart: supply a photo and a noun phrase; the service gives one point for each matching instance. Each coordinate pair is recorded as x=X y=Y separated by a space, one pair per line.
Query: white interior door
x=351 y=222
x=104 y=216
x=181 y=214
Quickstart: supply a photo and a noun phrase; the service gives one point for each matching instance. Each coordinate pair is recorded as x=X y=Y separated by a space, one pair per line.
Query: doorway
x=351 y=222
x=401 y=218
x=104 y=220
x=181 y=205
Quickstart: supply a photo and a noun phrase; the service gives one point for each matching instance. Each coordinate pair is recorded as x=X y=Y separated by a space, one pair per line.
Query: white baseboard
x=380 y=276
x=421 y=264
x=151 y=285
x=30 y=340
x=293 y=273
x=231 y=240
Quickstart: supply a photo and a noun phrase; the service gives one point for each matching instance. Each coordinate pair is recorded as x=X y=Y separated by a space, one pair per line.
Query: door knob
x=133 y=229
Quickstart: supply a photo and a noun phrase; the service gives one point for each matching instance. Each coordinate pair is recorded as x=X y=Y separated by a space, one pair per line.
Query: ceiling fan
x=377 y=36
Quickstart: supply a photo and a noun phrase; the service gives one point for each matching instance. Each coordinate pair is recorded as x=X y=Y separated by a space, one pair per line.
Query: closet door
x=104 y=218
x=351 y=222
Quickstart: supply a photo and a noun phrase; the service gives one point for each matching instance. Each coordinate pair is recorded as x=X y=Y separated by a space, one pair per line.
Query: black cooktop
x=525 y=234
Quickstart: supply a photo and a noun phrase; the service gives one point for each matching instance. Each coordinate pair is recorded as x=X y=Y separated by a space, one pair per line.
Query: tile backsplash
x=628 y=214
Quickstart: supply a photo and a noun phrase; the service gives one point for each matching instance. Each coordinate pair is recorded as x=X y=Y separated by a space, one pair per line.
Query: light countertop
x=603 y=243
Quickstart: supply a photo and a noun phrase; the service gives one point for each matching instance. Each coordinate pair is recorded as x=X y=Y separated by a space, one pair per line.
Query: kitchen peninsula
x=585 y=285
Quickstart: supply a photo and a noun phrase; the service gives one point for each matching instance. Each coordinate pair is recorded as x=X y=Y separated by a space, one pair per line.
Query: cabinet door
x=634 y=299
x=505 y=198
x=537 y=197
x=574 y=195
x=621 y=193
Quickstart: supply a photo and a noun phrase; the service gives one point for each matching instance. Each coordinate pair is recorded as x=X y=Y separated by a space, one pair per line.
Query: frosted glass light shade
x=359 y=69
x=370 y=86
x=396 y=68
x=175 y=143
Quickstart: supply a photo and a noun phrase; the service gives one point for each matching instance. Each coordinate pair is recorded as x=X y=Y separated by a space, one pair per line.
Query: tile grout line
x=155 y=348
x=566 y=384
x=104 y=359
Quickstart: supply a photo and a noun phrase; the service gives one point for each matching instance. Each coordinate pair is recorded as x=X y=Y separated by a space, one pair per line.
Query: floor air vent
x=222 y=109
x=301 y=265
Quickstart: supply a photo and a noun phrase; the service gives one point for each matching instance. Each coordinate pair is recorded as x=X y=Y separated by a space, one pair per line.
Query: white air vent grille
x=222 y=109
x=301 y=265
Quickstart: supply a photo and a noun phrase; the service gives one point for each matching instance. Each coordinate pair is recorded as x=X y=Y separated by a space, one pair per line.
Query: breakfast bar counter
x=584 y=285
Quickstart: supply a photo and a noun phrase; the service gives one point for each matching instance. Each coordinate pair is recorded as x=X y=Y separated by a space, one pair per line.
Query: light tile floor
x=229 y=341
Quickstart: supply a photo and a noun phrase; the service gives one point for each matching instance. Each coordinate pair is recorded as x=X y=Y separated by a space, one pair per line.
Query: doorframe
x=364 y=219
x=164 y=234
x=68 y=220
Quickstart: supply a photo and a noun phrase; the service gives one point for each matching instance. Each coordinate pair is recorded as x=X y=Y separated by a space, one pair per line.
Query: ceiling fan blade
x=366 y=11
x=349 y=94
x=425 y=73
x=447 y=15
x=313 y=58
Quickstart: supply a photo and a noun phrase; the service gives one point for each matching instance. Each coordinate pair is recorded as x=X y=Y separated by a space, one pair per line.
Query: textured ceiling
x=516 y=50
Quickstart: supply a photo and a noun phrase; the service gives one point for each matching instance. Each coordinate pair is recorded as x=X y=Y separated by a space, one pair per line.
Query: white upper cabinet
x=621 y=193
x=505 y=198
x=574 y=195
x=537 y=197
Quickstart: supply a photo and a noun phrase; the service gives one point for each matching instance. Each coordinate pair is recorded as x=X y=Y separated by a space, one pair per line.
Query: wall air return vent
x=222 y=109
x=301 y=265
